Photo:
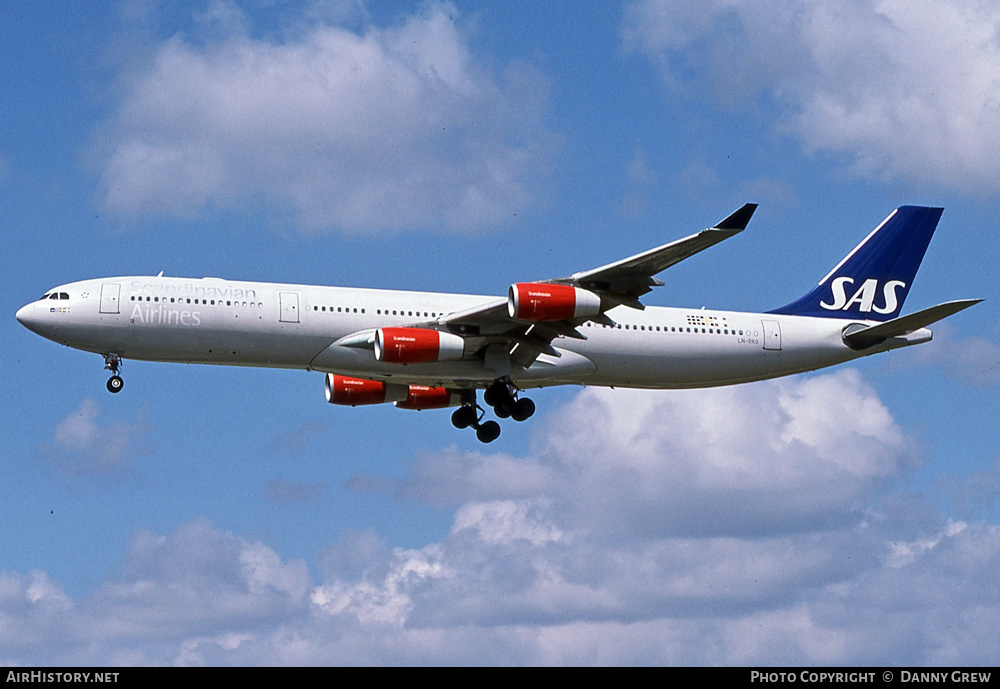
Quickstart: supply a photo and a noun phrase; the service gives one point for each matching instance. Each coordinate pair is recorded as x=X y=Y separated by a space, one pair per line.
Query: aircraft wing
x=618 y=283
x=495 y=324
x=632 y=277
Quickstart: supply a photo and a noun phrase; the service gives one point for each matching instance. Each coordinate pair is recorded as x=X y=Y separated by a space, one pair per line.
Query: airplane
x=422 y=350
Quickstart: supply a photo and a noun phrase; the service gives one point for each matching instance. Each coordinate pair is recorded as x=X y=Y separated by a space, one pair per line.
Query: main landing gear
x=502 y=396
x=111 y=363
x=469 y=415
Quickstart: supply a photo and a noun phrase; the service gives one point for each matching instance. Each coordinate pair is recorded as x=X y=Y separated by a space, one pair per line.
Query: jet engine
x=416 y=345
x=355 y=391
x=538 y=301
x=424 y=397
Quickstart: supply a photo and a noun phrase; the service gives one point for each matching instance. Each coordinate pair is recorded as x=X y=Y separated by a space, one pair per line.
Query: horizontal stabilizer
x=904 y=325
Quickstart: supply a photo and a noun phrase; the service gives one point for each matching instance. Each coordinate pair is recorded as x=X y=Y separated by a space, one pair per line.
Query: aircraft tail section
x=872 y=281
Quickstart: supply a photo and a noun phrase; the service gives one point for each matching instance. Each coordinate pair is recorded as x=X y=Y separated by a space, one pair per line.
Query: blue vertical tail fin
x=872 y=281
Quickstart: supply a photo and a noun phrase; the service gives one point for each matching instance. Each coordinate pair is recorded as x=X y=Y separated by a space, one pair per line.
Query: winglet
x=739 y=220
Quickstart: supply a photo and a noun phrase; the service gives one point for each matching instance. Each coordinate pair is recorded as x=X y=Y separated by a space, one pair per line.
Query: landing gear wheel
x=488 y=432
x=503 y=410
x=465 y=416
x=495 y=394
x=111 y=363
x=523 y=409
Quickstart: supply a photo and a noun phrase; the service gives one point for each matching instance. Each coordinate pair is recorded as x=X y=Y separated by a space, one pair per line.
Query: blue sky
x=230 y=516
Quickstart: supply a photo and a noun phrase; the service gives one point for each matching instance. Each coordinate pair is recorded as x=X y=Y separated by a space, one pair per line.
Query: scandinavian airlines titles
x=161 y=313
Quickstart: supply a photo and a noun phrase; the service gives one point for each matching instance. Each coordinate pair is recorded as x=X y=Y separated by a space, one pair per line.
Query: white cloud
x=974 y=359
x=749 y=525
x=198 y=580
x=781 y=456
x=86 y=443
x=505 y=521
x=390 y=129
x=904 y=90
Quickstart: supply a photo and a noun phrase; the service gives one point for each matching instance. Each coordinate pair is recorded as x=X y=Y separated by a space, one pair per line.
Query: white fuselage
x=214 y=321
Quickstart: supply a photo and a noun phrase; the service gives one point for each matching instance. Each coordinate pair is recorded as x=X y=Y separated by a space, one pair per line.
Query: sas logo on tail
x=864 y=296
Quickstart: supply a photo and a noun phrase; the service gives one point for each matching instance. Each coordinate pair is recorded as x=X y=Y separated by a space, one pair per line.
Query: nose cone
x=26 y=317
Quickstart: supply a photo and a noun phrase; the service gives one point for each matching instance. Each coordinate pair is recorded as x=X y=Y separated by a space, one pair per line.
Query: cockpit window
x=56 y=295
x=45 y=296
x=63 y=295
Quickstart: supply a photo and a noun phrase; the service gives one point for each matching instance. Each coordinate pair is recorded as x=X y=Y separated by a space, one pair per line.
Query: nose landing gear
x=111 y=363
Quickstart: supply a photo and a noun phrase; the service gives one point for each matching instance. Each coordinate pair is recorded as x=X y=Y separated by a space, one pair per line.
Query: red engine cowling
x=356 y=391
x=424 y=397
x=535 y=301
x=416 y=346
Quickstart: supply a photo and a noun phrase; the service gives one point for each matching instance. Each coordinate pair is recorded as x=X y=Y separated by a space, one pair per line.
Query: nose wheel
x=111 y=363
